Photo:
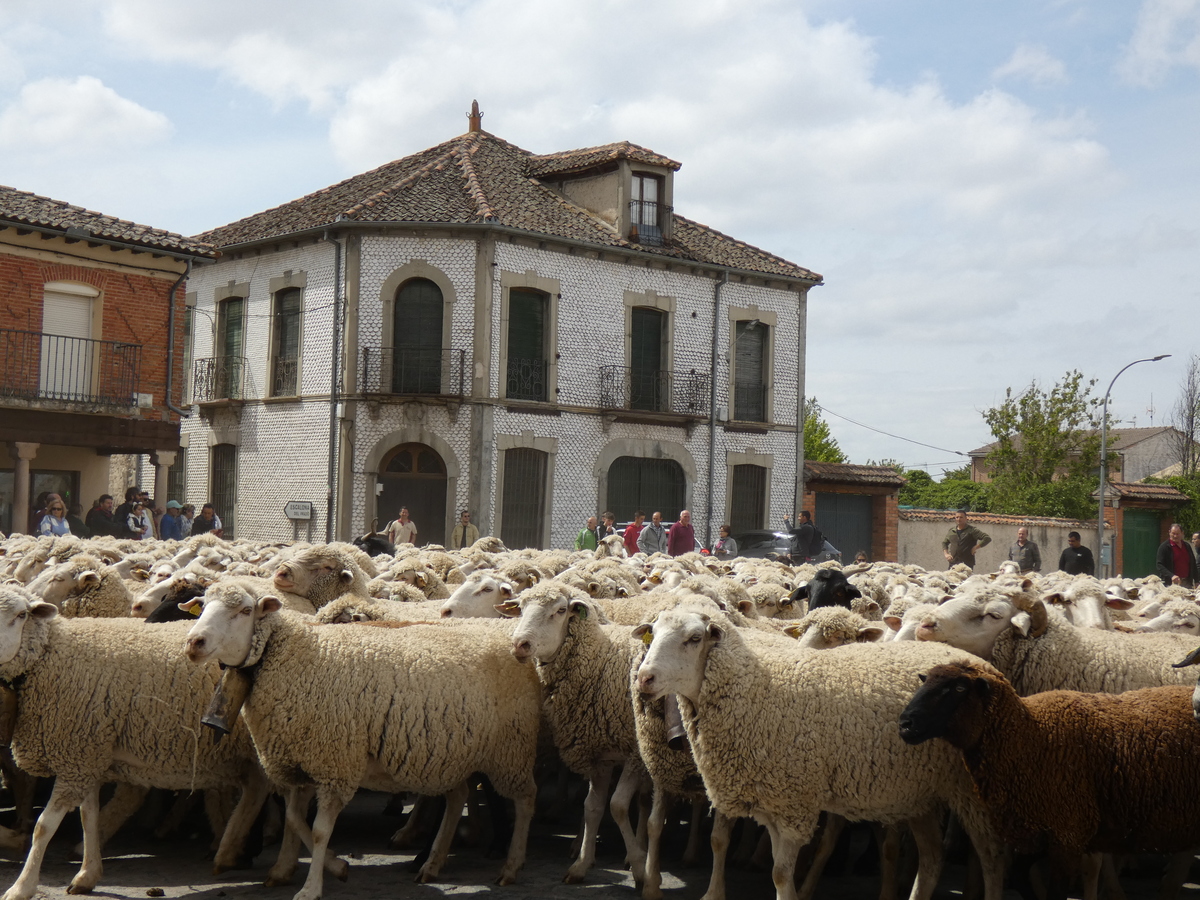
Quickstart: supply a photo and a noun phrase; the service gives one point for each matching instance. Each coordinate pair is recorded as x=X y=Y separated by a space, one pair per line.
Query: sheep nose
x=522 y=649
x=194 y=647
x=447 y=613
x=646 y=682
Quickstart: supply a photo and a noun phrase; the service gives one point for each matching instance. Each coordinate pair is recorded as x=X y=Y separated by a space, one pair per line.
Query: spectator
x=963 y=541
x=207 y=521
x=54 y=521
x=464 y=533
x=78 y=528
x=1175 y=562
x=632 y=530
x=606 y=527
x=101 y=520
x=860 y=557
x=1076 y=559
x=136 y=522
x=401 y=530
x=1196 y=546
x=807 y=541
x=653 y=538
x=726 y=547
x=187 y=517
x=121 y=516
x=681 y=538
x=1025 y=553
x=586 y=539
x=171 y=527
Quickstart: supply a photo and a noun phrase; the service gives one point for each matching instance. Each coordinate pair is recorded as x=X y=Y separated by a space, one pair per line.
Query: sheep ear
x=793 y=631
x=787 y=603
x=1118 y=603
x=1132 y=593
x=1056 y=598
x=140 y=574
x=1190 y=660
x=420 y=579
x=346 y=576
x=83 y=579
x=715 y=632
x=745 y=607
x=506 y=589
x=40 y=609
x=268 y=604
x=646 y=629
x=893 y=622
x=192 y=607
x=872 y=607
x=509 y=608
x=869 y=634
x=579 y=608
x=921 y=677
x=1021 y=623
x=622 y=591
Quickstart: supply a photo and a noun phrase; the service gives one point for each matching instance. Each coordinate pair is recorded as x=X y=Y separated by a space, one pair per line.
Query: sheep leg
x=989 y=850
x=523 y=806
x=927 y=834
x=93 y=858
x=691 y=853
x=1089 y=874
x=330 y=802
x=889 y=837
x=1178 y=867
x=62 y=800
x=652 y=883
x=593 y=810
x=829 y=838
x=722 y=831
x=295 y=833
x=627 y=785
x=408 y=833
x=440 y=849
x=785 y=847
x=239 y=823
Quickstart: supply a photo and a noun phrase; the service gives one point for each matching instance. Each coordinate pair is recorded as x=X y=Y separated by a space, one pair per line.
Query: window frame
x=552 y=289
x=765 y=317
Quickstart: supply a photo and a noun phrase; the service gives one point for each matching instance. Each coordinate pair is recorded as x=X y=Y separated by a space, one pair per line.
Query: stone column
x=21 y=452
x=163 y=460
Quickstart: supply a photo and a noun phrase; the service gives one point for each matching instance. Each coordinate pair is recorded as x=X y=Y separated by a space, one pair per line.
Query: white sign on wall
x=298 y=510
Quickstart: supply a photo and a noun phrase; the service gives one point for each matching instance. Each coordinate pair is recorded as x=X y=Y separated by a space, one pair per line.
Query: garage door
x=1139 y=543
x=845 y=520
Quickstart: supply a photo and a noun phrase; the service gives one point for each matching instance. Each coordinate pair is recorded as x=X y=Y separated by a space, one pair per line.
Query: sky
x=996 y=193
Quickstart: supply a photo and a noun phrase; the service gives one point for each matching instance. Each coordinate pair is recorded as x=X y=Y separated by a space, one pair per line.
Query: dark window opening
x=417 y=338
x=524 y=509
x=285 y=364
x=636 y=482
x=528 y=315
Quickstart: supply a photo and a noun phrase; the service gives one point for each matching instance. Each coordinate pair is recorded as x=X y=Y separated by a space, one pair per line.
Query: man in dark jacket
x=1175 y=562
x=100 y=518
x=963 y=541
x=1076 y=559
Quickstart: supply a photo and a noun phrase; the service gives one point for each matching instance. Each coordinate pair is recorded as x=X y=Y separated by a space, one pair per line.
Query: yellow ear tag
x=647 y=638
x=195 y=610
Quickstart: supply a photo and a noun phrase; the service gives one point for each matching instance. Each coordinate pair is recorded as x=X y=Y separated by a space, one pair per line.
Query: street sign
x=298 y=510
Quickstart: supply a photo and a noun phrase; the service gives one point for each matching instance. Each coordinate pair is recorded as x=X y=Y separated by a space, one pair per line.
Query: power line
x=888 y=433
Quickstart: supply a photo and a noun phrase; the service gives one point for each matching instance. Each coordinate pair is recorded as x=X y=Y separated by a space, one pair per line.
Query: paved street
x=180 y=869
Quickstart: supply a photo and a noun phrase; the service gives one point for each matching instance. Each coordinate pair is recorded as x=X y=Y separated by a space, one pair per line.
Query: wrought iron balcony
x=404 y=370
x=219 y=378
x=675 y=393
x=283 y=377
x=39 y=366
x=646 y=221
x=750 y=402
x=526 y=379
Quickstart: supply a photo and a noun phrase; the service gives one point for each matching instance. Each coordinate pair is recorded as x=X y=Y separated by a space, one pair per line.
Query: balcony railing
x=384 y=370
x=39 y=366
x=526 y=379
x=646 y=221
x=219 y=378
x=283 y=377
x=750 y=402
x=676 y=393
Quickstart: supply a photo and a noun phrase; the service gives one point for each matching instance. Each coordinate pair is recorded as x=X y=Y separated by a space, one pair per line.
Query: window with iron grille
x=417 y=338
x=524 y=503
x=528 y=317
x=223 y=478
x=285 y=343
x=648 y=384
x=651 y=485
x=231 y=347
x=748 y=499
x=751 y=342
x=645 y=209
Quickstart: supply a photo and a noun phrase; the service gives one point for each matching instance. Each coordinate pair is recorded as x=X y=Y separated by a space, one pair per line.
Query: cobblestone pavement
x=139 y=869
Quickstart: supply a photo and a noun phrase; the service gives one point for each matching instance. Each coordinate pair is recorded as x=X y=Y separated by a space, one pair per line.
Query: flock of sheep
x=761 y=690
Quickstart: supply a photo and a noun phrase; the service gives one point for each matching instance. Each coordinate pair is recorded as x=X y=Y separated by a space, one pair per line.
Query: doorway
x=414 y=475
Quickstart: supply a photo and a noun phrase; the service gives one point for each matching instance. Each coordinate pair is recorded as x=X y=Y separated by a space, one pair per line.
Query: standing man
x=804 y=537
x=1175 y=562
x=653 y=538
x=1196 y=546
x=401 y=530
x=100 y=518
x=607 y=527
x=681 y=538
x=171 y=527
x=1076 y=559
x=207 y=521
x=586 y=539
x=1025 y=552
x=963 y=541
x=464 y=533
x=632 y=530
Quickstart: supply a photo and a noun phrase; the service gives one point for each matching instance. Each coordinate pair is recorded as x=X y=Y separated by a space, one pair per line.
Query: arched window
x=417 y=338
x=414 y=476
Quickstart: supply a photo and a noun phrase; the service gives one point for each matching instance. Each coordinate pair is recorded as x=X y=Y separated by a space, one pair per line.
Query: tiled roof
x=851 y=474
x=1129 y=490
x=981 y=518
x=1118 y=439
x=23 y=208
x=477 y=178
x=589 y=157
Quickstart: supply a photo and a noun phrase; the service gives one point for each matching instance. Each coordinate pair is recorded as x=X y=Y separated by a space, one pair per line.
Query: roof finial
x=475 y=117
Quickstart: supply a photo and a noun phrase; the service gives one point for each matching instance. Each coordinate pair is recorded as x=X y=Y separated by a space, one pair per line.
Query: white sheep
x=478 y=596
x=417 y=708
x=84 y=586
x=837 y=711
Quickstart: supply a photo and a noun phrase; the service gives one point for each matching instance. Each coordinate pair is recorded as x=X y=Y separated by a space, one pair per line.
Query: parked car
x=765 y=544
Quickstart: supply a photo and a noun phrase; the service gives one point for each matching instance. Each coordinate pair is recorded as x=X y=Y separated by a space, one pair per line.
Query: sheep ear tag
x=648 y=638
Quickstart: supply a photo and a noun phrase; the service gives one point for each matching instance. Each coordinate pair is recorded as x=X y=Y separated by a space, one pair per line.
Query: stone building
x=88 y=303
x=534 y=338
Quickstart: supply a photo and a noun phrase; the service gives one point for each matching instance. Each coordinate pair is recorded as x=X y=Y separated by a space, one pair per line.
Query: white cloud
x=84 y=114
x=1033 y=64
x=1167 y=34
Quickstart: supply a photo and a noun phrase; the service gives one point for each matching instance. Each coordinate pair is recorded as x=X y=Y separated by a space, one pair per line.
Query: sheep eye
x=22 y=615
x=244 y=611
x=694 y=639
x=960 y=688
x=488 y=590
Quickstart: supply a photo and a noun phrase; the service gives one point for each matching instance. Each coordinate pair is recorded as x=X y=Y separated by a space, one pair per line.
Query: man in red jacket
x=632 y=530
x=681 y=538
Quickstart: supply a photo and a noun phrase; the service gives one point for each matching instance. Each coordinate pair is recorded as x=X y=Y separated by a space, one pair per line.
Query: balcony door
x=417 y=338
x=750 y=372
x=66 y=360
x=646 y=378
x=527 y=314
x=231 y=348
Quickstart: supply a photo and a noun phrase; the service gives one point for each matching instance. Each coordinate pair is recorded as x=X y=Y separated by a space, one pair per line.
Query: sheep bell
x=673 y=719
x=232 y=691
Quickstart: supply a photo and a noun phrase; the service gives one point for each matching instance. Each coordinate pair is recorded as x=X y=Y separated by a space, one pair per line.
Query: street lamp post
x=1104 y=456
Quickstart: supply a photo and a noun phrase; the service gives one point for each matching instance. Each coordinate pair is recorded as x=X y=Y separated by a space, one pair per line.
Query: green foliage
x=1187 y=516
x=1047 y=447
x=819 y=443
x=950 y=493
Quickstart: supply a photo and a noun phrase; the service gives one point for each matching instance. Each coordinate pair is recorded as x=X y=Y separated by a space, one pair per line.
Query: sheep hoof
x=426 y=875
x=277 y=880
x=74 y=888
x=219 y=870
x=339 y=869
x=652 y=893
x=506 y=879
x=572 y=877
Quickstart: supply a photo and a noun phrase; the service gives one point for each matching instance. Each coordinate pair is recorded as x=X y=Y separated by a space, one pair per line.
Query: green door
x=1139 y=543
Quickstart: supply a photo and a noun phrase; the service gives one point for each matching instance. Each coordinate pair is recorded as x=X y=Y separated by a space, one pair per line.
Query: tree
x=1185 y=416
x=1047 y=448
x=819 y=443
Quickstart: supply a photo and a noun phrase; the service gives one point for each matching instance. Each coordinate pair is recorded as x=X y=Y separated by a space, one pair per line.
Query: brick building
x=535 y=338
x=86 y=307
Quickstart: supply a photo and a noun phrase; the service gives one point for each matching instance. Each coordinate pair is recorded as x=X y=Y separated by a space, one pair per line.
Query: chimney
x=475 y=117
